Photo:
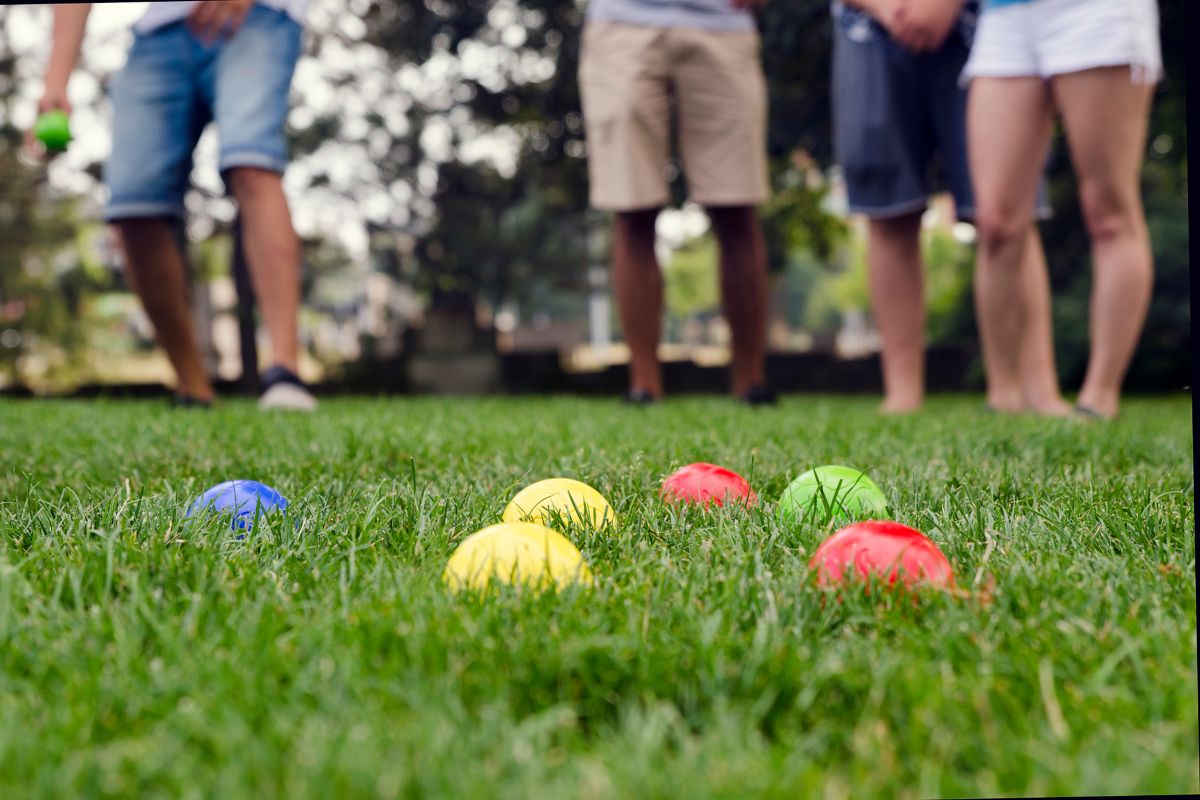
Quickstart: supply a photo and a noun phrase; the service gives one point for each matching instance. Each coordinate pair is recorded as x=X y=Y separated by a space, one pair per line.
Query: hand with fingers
x=54 y=98
x=921 y=25
x=70 y=23
x=212 y=19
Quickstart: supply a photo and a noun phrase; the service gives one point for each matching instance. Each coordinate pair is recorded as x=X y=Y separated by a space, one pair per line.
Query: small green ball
x=831 y=492
x=53 y=130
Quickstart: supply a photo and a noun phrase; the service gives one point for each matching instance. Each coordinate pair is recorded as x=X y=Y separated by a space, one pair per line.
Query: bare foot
x=1005 y=408
x=1088 y=414
x=196 y=389
x=1011 y=401
x=1100 y=404
x=892 y=408
x=1059 y=408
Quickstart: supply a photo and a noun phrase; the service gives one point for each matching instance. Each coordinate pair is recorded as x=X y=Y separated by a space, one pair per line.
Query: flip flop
x=1086 y=414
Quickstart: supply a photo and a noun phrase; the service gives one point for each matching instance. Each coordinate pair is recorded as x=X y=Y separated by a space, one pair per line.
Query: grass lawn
x=140 y=658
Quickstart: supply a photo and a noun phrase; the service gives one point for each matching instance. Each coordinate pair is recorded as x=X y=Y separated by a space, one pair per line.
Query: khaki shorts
x=628 y=77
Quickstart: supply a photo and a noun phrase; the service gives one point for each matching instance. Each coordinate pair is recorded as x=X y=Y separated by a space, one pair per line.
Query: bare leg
x=638 y=284
x=744 y=290
x=273 y=253
x=1008 y=132
x=898 y=302
x=1105 y=116
x=1039 y=376
x=157 y=273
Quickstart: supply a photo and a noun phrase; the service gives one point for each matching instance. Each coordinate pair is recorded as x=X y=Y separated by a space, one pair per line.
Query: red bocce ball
x=888 y=550
x=707 y=483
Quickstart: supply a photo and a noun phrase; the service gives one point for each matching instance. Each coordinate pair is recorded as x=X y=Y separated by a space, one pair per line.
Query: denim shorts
x=173 y=85
x=897 y=114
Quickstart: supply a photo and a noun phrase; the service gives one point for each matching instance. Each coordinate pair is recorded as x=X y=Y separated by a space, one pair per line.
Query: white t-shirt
x=160 y=14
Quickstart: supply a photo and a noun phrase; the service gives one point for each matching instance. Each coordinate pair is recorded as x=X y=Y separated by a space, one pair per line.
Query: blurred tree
x=802 y=294
x=44 y=277
x=507 y=74
x=459 y=123
x=691 y=282
x=794 y=218
x=948 y=267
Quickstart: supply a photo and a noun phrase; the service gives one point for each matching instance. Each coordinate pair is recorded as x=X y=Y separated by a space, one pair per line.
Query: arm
x=70 y=21
x=67 y=38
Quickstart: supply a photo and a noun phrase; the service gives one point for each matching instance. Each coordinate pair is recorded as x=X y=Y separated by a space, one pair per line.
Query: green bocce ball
x=831 y=492
x=53 y=130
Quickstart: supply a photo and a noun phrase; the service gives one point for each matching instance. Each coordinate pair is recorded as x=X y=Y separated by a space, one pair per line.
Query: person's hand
x=922 y=25
x=752 y=6
x=882 y=11
x=54 y=98
x=213 y=18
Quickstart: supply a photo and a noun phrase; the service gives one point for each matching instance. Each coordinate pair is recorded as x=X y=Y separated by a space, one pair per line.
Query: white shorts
x=1042 y=38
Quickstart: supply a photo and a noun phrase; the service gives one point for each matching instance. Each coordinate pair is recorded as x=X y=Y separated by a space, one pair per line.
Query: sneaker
x=283 y=389
x=760 y=395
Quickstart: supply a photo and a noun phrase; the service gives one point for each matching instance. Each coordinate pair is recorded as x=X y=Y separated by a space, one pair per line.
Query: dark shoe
x=187 y=401
x=639 y=397
x=283 y=389
x=760 y=395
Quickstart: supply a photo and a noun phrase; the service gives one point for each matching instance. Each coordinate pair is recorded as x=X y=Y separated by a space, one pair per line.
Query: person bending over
x=192 y=63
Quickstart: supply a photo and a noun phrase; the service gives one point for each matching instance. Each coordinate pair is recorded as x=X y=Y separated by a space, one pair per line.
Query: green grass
x=140 y=658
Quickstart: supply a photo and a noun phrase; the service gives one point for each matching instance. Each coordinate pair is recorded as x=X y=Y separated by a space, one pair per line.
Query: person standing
x=642 y=62
x=898 y=108
x=1093 y=64
x=195 y=62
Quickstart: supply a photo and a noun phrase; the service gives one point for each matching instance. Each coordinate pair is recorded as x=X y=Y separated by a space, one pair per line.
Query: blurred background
x=439 y=183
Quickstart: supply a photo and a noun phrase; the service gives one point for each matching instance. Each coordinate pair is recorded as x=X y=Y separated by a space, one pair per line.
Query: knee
x=143 y=232
x=740 y=239
x=249 y=182
x=998 y=229
x=734 y=221
x=1108 y=212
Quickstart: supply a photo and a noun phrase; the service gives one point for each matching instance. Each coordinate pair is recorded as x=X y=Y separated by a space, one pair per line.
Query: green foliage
x=144 y=657
x=948 y=269
x=823 y=290
x=505 y=236
x=795 y=220
x=44 y=272
x=851 y=288
x=520 y=232
x=796 y=53
x=691 y=281
x=804 y=295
